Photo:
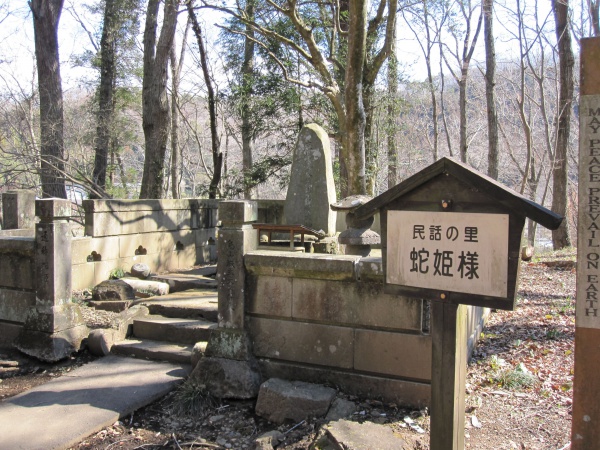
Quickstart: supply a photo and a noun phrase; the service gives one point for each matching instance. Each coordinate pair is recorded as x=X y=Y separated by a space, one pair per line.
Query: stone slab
x=396 y=354
x=192 y=304
x=270 y=296
x=156 y=350
x=302 y=265
x=158 y=328
x=402 y=392
x=359 y=436
x=303 y=342
x=281 y=400
x=355 y=304
x=185 y=281
x=15 y=305
x=83 y=402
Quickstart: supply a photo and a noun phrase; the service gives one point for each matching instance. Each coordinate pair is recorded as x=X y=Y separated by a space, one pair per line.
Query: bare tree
x=490 y=81
x=46 y=15
x=561 y=237
x=156 y=112
x=217 y=155
x=462 y=52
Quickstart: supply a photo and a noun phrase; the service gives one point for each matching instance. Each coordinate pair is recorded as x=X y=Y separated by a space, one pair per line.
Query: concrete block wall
x=165 y=234
x=17 y=284
x=327 y=319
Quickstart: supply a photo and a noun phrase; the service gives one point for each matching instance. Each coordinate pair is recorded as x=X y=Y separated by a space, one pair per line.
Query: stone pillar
x=54 y=328
x=18 y=209
x=236 y=238
x=228 y=369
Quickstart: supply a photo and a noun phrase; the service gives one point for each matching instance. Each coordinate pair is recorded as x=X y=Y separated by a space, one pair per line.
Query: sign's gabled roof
x=505 y=196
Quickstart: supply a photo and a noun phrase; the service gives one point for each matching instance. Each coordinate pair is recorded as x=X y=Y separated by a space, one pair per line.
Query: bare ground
x=519 y=386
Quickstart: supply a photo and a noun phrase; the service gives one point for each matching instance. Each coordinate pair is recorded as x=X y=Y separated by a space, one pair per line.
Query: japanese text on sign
x=448 y=251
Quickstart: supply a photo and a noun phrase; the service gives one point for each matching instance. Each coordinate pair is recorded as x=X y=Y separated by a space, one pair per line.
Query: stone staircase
x=176 y=322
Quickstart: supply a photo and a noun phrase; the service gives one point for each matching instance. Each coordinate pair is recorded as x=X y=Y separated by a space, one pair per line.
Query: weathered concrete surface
x=311 y=189
x=227 y=378
x=113 y=290
x=147 y=286
x=357 y=436
x=157 y=350
x=18 y=209
x=340 y=409
x=187 y=280
x=192 y=304
x=279 y=400
x=64 y=411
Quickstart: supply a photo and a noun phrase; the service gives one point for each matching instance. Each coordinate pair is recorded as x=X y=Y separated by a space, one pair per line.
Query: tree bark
x=392 y=112
x=352 y=155
x=46 y=15
x=105 y=97
x=212 y=107
x=156 y=120
x=490 y=83
x=246 y=111
x=560 y=237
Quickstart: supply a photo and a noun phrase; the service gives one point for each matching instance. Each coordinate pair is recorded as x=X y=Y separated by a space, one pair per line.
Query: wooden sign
x=452 y=235
x=448 y=251
x=585 y=434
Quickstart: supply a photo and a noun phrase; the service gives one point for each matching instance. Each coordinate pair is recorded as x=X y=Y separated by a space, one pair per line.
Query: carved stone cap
x=350 y=203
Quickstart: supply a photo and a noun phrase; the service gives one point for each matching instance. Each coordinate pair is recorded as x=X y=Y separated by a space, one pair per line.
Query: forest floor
x=519 y=386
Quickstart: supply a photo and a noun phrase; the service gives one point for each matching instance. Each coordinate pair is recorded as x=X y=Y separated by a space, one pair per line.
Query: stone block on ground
x=340 y=409
x=113 y=290
x=151 y=287
x=198 y=353
x=227 y=378
x=344 y=434
x=111 y=305
x=280 y=400
x=101 y=340
x=268 y=440
x=140 y=270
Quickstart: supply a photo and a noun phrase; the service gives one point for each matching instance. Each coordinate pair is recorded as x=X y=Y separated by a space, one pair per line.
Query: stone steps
x=190 y=304
x=156 y=350
x=172 y=329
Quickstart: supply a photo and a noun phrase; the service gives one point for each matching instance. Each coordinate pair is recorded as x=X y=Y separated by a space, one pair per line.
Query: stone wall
x=327 y=319
x=17 y=286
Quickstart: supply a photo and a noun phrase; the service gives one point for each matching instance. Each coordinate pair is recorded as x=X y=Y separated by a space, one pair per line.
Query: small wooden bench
x=291 y=229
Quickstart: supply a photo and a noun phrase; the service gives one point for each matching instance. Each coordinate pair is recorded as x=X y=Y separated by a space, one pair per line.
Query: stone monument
x=311 y=189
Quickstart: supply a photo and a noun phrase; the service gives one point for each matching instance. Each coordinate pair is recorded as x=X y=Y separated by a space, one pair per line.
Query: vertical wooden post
x=448 y=371
x=586 y=390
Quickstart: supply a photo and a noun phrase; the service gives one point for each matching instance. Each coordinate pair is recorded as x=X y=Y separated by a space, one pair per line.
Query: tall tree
x=392 y=112
x=217 y=155
x=46 y=15
x=464 y=46
x=120 y=18
x=560 y=237
x=246 y=110
x=176 y=67
x=490 y=82
x=156 y=120
x=315 y=32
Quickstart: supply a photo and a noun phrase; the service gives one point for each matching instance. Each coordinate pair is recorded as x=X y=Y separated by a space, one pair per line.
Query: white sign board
x=447 y=251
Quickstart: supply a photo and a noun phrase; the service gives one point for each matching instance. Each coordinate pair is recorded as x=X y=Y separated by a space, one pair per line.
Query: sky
x=17 y=48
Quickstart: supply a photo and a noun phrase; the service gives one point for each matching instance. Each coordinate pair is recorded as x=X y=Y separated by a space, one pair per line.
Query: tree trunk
x=560 y=237
x=352 y=154
x=105 y=98
x=46 y=15
x=246 y=112
x=176 y=66
x=212 y=107
x=490 y=82
x=462 y=99
x=156 y=120
x=392 y=112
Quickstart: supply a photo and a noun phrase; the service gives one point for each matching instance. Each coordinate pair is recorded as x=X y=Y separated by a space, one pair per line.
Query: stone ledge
x=402 y=392
x=301 y=265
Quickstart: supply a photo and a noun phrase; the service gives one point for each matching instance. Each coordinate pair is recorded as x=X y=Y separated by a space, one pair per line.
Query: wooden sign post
x=586 y=387
x=452 y=235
